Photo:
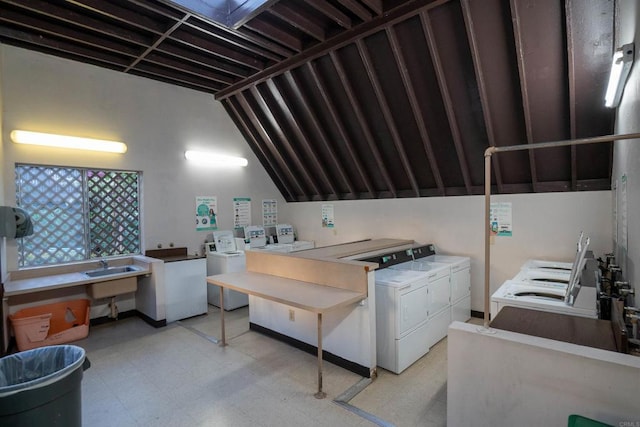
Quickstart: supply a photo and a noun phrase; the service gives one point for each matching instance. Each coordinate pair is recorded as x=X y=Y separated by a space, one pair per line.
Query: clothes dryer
x=460 y=284
x=439 y=308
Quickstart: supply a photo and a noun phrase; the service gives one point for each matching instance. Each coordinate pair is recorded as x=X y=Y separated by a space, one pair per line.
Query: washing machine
x=460 y=284
x=222 y=257
x=550 y=295
x=439 y=308
x=544 y=298
x=557 y=266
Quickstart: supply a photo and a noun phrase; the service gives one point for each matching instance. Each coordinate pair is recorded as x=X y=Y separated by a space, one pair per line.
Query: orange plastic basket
x=50 y=324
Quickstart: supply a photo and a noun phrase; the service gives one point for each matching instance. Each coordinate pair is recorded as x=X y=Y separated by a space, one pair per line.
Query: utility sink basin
x=112 y=270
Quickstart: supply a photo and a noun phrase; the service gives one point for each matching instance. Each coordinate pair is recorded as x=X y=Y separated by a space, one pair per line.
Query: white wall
x=521 y=380
x=545 y=226
x=626 y=160
x=156 y=120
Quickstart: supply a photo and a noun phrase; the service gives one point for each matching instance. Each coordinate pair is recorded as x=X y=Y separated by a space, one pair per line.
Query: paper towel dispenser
x=14 y=222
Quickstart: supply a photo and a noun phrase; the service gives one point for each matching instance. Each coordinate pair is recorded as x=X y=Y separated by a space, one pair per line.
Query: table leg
x=223 y=341
x=320 y=394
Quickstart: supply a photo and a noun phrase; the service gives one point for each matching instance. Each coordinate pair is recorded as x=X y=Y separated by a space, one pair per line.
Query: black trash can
x=41 y=387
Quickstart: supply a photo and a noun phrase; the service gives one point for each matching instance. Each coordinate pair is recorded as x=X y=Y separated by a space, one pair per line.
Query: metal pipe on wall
x=487 y=196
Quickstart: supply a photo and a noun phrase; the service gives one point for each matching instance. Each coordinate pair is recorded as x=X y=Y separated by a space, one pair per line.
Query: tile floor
x=178 y=376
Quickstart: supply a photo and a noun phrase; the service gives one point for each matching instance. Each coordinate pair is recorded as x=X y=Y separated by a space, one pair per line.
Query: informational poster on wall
x=328 y=220
x=500 y=219
x=269 y=212
x=206 y=211
x=241 y=212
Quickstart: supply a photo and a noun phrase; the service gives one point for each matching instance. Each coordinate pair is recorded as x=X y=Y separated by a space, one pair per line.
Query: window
x=77 y=213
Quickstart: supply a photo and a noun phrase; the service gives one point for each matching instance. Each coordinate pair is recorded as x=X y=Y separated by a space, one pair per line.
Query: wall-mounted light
x=620 y=67
x=63 y=141
x=214 y=159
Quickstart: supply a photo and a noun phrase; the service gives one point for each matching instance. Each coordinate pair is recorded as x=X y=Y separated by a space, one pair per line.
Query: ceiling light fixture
x=620 y=67
x=214 y=159
x=64 y=141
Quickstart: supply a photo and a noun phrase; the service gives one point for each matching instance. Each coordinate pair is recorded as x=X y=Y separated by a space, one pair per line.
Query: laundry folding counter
x=315 y=285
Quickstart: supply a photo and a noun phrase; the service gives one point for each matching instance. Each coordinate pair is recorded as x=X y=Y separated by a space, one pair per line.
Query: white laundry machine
x=460 y=284
x=402 y=318
x=222 y=257
x=544 y=298
x=439 y=308
x=557 y=266
x=551 y=294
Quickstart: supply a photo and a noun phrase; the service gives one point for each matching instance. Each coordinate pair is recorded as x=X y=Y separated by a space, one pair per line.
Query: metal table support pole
x=320 y=394
x=223 y=341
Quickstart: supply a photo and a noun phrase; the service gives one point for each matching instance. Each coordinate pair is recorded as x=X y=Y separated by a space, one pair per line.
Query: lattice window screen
x=77 y=214
x=114 y=226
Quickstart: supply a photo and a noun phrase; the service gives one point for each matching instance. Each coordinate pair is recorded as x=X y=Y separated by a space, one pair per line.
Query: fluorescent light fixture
x=214 y=159
x=620 y=67
x=63 y=141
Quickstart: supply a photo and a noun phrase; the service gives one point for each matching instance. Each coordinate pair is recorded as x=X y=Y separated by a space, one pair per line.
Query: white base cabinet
x=185 y=288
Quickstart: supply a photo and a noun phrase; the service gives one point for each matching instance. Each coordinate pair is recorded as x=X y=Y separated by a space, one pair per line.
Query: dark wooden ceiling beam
x=157 y=42
x=262 y=48
x=386 y=112
x=295 y=86
x=318 y=169
x=446 y=98
x=270 y=143
x=357 y=9
x=203 y=59
x=178 y=78
x=41 y=26
x=225 y=33
x=64 y=48
x=266 y=158
x=283 y=140
x=78 y=20
x=298 y=20
x=418 y=115
x=113 y=11
x=340 y=126
x=375 y=5
x=398 y=14
x=517 y=33
x=186 y=67
x=216 y=49
x=275 y=33
x=482 y=87
x=331 y=12
x=364 y=126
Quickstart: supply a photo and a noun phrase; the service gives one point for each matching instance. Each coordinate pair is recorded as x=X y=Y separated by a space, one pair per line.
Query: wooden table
x=307 y=296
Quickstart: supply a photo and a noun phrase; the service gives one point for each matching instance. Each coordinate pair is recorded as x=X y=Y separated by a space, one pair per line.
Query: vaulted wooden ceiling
x=360 y=99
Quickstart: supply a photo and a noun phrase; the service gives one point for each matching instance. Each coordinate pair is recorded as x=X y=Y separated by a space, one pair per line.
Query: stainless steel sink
x=112 y=270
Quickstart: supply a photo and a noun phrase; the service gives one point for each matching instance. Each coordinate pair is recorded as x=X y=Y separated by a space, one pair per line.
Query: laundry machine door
x=414 y=308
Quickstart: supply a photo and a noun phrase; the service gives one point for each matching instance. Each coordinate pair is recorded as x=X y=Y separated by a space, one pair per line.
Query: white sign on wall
x=241 y=212
x=500 y=218
x=269 y=212
x=328 y=221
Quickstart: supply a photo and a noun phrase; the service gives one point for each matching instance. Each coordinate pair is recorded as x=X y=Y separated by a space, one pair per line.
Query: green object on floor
x=580 y=421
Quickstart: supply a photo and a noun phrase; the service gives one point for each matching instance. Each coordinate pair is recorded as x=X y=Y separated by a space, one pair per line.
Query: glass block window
x=77 y=213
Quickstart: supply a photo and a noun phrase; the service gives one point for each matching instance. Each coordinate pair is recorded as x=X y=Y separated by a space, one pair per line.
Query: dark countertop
x=180 y=258
x=595 y=333
x=172 y=254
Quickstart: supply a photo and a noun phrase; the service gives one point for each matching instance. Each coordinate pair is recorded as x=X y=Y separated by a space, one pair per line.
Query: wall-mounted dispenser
x=14 y=222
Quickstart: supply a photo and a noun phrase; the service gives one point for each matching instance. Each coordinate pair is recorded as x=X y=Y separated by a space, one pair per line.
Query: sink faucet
x=104 y=264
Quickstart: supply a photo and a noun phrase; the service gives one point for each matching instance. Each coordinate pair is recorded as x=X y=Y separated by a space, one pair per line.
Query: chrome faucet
x=104 y=264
